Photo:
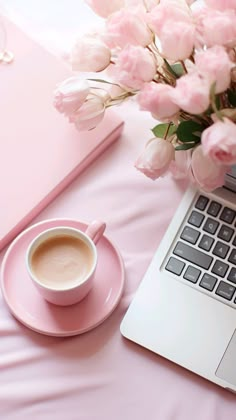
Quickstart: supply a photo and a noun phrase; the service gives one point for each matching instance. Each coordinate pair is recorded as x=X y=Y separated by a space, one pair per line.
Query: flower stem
x=200 y=119
x=191 y=58
x=167 y=131
x=183 y=65
x=163 y=77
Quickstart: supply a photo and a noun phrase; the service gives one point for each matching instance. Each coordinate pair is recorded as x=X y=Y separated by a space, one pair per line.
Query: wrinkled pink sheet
x=100 y=375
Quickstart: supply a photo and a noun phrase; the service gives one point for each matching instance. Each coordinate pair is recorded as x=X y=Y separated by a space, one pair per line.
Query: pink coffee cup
x=62 y=262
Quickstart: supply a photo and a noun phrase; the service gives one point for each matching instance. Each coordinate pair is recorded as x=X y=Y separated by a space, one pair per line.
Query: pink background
x=100 y=375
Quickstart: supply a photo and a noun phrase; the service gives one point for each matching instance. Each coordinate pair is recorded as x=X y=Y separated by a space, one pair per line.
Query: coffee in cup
x=62 y=261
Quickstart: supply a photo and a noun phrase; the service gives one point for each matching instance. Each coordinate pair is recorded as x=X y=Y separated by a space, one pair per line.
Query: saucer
x=27 y=305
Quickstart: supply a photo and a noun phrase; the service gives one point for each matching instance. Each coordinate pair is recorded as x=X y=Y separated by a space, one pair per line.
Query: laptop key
x=175 y=266
x=225 y=233
x=208 y=282
x=196 y=218
x=227 y=215
x=220 y=249
x=190 y=235
x=225 y=290
x=214 y=208
x=201 y=202
x=210 y=225
x=193 y=255
x=220 y=268
x=232 y=275
x=206 y=242
x=232 y=257
x=192 y=274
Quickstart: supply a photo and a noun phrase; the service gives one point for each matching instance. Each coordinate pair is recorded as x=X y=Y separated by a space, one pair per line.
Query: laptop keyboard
x=204 y=253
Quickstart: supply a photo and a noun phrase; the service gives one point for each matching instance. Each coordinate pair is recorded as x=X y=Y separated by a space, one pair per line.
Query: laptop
x=185 y=306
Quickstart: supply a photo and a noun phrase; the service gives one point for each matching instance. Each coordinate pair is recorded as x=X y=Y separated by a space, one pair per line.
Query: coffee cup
x=61 y=262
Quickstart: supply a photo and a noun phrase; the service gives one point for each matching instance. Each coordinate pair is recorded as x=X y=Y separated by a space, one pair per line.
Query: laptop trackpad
x=227 y=367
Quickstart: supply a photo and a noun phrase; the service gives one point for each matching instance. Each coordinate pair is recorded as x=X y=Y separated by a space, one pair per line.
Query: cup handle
x=95 y=230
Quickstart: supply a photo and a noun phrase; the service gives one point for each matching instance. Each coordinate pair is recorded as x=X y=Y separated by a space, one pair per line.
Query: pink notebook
x=40 y=152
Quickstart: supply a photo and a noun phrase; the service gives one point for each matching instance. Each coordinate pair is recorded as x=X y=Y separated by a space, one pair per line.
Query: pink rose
x=221 y=4
x=89 y=115
x=181 y=164
x=156 y=98
x=177 y=39
x=192 y=93
x=147 y=6
x=214 y=27
x=204 y=172
x=90 y=54
x=134 y=67
x=214 y=63
x=156 y=158
x=126 y=27
x=105 y=8
x=173 y=11
x=70 y=95
x=219 y=142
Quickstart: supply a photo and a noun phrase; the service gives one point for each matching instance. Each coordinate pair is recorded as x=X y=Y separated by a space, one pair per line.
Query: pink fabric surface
x=100 y=375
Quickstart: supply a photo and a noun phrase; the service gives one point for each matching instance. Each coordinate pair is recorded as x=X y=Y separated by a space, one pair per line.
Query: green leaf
x=160 y=130
x=169 y=68
x=232 y=97
x=185 y=146
x=189 y=131
x=178 y=69
x=175 y=69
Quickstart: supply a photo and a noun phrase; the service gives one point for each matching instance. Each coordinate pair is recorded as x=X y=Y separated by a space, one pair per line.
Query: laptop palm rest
x=227 y=367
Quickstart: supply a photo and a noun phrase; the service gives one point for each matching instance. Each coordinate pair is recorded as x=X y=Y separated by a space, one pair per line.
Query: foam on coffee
x=62 y=261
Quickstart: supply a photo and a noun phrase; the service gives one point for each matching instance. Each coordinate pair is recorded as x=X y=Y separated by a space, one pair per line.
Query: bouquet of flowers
x=178 y=59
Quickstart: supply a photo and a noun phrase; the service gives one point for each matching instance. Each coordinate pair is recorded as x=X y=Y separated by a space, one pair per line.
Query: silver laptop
x=185 y=306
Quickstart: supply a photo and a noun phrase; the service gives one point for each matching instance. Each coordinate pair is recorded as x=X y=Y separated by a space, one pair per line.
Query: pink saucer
x=26 y=304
